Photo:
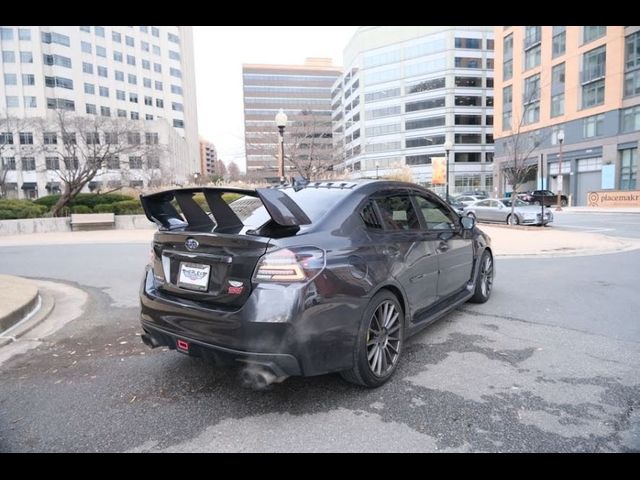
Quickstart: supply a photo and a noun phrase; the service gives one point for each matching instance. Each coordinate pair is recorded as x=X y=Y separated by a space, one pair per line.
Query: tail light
x=290 y=265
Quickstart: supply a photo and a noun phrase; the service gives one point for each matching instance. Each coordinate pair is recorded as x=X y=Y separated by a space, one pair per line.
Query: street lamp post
x=377 y=167
x=281 y=122
x=447 y=148
x=561 y=140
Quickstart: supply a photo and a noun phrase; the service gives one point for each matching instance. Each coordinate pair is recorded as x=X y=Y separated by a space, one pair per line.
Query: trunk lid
x=203 y=250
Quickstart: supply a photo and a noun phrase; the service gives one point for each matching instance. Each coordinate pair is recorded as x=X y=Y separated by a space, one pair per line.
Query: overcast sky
x=219 y=55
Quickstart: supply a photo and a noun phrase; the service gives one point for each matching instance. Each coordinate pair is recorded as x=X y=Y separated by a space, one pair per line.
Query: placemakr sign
x=618 y=198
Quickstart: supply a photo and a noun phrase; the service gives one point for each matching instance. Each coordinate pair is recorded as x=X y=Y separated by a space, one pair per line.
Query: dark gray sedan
x=309 y=278
x=499 y=211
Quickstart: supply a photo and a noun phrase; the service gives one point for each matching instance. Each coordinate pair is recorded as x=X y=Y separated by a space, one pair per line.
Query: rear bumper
x=292 y=330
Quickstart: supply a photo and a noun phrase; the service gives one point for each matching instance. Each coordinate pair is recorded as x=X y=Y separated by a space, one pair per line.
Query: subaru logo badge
x=191 y=243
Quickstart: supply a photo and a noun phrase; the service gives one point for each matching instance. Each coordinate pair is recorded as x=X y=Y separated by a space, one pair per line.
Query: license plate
x=194 y=276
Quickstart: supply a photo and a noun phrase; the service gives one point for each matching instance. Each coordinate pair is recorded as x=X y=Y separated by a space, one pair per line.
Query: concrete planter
x=62 y=224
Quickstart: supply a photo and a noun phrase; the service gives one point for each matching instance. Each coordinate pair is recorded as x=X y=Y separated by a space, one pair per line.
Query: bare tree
x=86 y=145
x=10 y=128
x=233 y=171
x=519 y=146
x=307 y=143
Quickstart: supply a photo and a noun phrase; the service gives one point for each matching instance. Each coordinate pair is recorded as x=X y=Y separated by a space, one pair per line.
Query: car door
x=455 y=253
x=481 y=210
x=409 y=250
x=495 y=211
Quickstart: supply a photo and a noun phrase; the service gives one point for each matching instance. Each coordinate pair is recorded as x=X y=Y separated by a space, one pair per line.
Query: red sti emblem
x=235 y=288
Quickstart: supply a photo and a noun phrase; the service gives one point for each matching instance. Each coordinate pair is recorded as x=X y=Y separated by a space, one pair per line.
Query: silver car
x=499 y=210
x=467 y=200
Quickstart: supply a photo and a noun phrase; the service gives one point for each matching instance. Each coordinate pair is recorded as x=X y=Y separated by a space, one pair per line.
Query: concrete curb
x=21 y=299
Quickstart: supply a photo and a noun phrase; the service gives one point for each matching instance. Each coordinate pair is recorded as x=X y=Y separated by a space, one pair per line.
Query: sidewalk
x=81 y=237
x=507 y=241
x=549 y=242
x=594 y=210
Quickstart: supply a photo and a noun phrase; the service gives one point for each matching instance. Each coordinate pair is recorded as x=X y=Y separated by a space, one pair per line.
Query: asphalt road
x=616 y=225
x=550 y=363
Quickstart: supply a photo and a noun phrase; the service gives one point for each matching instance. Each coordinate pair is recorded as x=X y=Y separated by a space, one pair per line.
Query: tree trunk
x=68 y=195
x=514 y=195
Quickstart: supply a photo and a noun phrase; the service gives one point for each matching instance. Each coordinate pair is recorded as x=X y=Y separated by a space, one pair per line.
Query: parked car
x=317 y=278
x=499 y=210
x=467 y=200
x=456 y=205
x=546 y=197
x=480 y=194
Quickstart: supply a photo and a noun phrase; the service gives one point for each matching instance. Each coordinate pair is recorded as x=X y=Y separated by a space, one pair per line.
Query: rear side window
x=398 y=213
x=369 y=217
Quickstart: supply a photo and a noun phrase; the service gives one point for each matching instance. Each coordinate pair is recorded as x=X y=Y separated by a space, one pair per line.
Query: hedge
x=12 y=209
x=127 y=207
x=88 y=199
x=81 y=209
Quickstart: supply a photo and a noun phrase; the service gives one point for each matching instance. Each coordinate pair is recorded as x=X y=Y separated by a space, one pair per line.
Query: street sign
x=439 y=171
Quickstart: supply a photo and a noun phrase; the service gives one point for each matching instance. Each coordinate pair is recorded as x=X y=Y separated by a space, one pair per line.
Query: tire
x=515 y=222
x=563 y=202
x=375 y=371
x=484 y=279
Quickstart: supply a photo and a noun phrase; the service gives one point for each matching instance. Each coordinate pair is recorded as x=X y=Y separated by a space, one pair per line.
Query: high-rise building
x=208 y=158
x=406 y=92
x=141 y=73
x=303 y=92
x=576 y=83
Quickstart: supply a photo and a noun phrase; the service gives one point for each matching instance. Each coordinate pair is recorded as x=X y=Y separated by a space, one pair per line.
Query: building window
x=630 y=119
x=102 y=72
x=89 y=89
x=155 y=49
x=423 y=86
x=11 y=79
x=557 y=105
x=6 y=33
x=591 y=33
x=120 y=95
x=628 y=168
x=85 y=47
x=470 y=43
x=91 y=109
x=144 y=46
x=559 y=43
x=13 y=101
x=52 y=37
x=148 y=116
x=467 y=82
x=468 y=138
x=104 y=92
x=131 y=60
x=178 y=90
x=30 y=102
x=632 y=65
x=117 y=56
x=178 y=107
x=593 y=126
x=92 y=138
x=133 y=97
x=99 y=31
x=593 y=94
x=87 y=68
x=105 y=111
x=153 y=162
x=468 y=62
x=133 y=138
x=132 y=79
x=119 y=76
x=466 y=157
x=159 y=103
x=135 y=162
x=144 y=29
x=532 y=57
x=6 y=138
x=121 y=113
x=489 y=101
x=58 y=82
x=135 y=116
x=148 y=101
x=173 y=38
x=52 y=163
x=50 y=138
x=409 y=107
x=8 y=56
x=157 y=68
x=26 y=57
x=151 y=138
x=28 y=164
x=155 y=31
x=113 y=162
x=26 y=138
x=468 y=101
x=9 y=163
x=146 y=64
x=57 y=60
x=409 y=125
x=507 y=70
x=101 y=51
x=174 y=55
x=116 y=37
x=129 y=41
x=28 y=79
x=178 y=123
x=175 y=72
x=531 y=89
x=424 y=141
x=158 y=85
x=488 y=120
x=532 y=36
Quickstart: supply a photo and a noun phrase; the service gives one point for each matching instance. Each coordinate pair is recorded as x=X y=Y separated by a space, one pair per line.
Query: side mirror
x=468 y=223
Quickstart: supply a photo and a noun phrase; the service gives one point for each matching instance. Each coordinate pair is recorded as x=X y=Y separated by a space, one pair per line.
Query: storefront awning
x=29 y=186
x=52 y=185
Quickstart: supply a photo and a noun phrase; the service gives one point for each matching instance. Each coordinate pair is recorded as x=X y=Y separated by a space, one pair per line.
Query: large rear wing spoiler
x=158 y=208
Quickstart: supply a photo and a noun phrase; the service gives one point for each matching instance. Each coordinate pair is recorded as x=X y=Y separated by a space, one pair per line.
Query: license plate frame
x=189 y=276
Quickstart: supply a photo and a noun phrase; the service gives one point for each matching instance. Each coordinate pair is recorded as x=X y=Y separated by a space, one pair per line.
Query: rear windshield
x=315 y=202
